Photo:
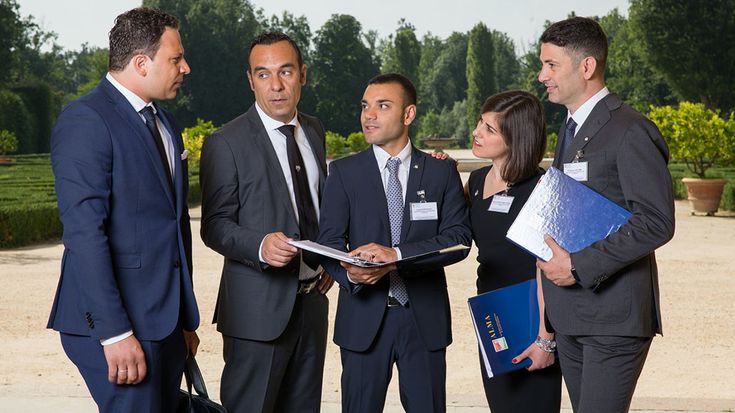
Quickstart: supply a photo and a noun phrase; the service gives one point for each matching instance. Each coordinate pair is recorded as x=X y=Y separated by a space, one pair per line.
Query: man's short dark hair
x=269 y=38
x=581 y=36
x=409 y=90
x=520 y=117
x=137 y=31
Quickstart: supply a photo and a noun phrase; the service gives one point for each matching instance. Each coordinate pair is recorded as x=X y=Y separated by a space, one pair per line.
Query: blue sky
x=79 y=21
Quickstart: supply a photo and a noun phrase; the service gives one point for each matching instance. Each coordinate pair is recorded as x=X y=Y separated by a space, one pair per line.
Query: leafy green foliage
x=697 y=136
x=8 y=142
x=481 y=81
x=692 y=43
x=194 y=139
x=335 y=144
x=356 y=141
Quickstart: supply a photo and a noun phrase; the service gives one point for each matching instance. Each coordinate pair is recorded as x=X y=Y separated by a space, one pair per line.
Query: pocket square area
x=185 y=155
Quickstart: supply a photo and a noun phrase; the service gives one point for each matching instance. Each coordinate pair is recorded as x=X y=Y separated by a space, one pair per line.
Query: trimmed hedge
x=27 y=224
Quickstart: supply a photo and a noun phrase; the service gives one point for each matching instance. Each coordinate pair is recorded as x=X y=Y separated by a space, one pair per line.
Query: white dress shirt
x=278 y=140
x=583 y=112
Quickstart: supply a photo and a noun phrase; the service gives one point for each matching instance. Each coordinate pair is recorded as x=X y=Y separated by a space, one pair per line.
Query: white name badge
x=576 y=170
x=501 y=203
x=424 y=211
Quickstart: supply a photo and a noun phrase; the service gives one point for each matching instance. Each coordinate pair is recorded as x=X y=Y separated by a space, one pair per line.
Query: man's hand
x=276 y=250
x=559 y=268
x=325 y=283
x=191 y=339
x=360 y=275
x=375 y=253
x=539 y=359
x=125 y=361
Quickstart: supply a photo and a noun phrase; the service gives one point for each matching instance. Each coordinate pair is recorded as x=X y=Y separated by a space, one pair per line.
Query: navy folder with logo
x=506 y=322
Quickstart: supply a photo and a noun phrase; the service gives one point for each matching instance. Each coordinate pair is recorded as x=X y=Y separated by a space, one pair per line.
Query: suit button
x=177 y=264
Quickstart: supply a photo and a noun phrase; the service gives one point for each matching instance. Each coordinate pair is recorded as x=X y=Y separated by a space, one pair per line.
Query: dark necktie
x=567 y=140
x=150 y=122
x=394 y=197
x=308 y=224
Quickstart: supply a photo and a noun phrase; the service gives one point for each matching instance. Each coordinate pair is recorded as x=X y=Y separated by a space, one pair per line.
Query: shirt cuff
x=260 y=251
x=398 y=252
x=113 y=340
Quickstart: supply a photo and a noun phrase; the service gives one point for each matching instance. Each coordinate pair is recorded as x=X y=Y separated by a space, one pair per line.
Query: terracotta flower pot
x=704 y=194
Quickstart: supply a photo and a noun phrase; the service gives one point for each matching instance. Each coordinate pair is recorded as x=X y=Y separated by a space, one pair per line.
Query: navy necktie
x=394 y=196
x=150 y=123
x=308 y=223
x=567 y=140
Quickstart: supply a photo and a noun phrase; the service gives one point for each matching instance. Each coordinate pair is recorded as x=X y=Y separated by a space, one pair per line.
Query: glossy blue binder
x=573 y=214
x=506 y=322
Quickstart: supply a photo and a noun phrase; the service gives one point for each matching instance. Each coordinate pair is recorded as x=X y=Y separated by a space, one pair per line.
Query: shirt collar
x=581 y=115
x=272 y=124
x=382 y=156
x=131 y=97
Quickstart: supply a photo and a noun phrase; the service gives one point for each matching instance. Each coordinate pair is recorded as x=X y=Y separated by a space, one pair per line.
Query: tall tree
x=507 y=66
x=216 y=35
x=403 y=53
x=342 y=67
x=481 y=78
x=444 y=78
x=692 y=43
x=628 y=73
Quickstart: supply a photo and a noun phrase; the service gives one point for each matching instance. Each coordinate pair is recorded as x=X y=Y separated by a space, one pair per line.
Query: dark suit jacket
x=354 y=212
x=127 y=240
x=245 y=197
x=618 y=289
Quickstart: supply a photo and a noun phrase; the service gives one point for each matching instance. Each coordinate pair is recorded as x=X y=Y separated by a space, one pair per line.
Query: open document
x=360 y=262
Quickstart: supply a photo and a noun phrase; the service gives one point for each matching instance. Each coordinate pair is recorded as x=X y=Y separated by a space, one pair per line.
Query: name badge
x=424 y=211
x=501 y=203
x=576 y=170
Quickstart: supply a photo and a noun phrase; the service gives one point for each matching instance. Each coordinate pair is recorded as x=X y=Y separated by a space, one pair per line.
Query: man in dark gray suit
x=262 y=176
x=603 y=301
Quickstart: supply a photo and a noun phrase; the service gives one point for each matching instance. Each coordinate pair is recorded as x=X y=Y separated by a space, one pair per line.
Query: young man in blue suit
x=387 y=202
x=125 y=305
x=603 y=301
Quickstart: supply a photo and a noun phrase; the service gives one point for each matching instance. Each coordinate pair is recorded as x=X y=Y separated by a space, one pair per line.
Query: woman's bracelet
x=546 y=345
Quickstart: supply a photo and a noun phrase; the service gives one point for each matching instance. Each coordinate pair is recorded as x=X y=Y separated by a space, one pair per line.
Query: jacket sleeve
x=648 y=191
x=81 y=158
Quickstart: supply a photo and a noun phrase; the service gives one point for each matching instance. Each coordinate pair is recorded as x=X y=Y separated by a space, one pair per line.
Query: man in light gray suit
x=262 y=176
x=603 y=301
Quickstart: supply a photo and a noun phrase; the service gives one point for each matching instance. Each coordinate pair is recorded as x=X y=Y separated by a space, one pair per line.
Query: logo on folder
x=495 y=329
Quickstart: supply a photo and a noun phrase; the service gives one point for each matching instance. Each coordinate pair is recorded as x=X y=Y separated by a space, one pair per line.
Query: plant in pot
x=700 y=138
x=8 y=144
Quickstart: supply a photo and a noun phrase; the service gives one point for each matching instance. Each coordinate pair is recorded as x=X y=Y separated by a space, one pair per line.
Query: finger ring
x=122 y=371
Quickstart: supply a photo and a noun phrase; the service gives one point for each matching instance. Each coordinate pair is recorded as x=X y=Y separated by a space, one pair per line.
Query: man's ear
x=302 y=73
x=409 y=114
x=589 y=66
x=139 y=63
x=250 y=80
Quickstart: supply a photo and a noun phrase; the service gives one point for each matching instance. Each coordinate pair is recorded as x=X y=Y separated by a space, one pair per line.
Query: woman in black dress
x=511 y=132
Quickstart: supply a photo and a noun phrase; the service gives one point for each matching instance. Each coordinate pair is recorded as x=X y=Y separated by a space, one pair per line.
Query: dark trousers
x=284 y=375
x=523 y=391
x=422 y=373
x=601 y=371
x=157 y=393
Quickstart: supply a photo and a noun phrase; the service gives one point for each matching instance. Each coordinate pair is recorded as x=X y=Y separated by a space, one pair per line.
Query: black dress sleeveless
x=503 y=263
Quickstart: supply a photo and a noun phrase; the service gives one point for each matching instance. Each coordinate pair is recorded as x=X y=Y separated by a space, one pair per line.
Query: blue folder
x=573 y=214
x=506 y=322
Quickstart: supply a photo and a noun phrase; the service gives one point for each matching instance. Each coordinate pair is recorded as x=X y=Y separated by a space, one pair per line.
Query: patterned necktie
x=150 y=123
x=308 y=223
x=567 y=141
x=394 y=196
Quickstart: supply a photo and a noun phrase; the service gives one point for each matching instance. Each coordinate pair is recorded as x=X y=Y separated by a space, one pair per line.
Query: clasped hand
x=559 y=268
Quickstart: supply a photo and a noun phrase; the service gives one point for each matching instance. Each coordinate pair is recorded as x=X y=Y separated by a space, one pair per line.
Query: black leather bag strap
x=194 y=378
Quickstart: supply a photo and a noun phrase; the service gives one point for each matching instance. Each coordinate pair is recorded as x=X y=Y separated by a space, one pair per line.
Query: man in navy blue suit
x=125 y=305
x=388 y=202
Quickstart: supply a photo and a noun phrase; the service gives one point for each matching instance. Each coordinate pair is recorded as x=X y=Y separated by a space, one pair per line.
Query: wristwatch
x=574 y=274
x=545 y=344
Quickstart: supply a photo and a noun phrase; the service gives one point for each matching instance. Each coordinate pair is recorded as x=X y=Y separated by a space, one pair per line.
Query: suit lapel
x=273 y=165
x=415 y=173
x=127 y=113
x=375 y=184
x=599 y=116
x=178 y=147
